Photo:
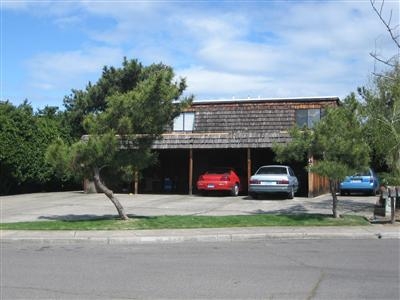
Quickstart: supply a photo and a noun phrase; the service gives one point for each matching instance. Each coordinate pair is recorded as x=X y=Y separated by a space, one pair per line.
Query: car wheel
x=291 y=194
x=235 y=190
x=342 y=193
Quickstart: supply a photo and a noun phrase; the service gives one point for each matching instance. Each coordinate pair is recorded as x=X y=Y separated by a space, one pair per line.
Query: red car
x=219 y=179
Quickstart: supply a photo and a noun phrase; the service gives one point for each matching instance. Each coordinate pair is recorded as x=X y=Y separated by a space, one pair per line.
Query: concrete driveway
x=77 y=205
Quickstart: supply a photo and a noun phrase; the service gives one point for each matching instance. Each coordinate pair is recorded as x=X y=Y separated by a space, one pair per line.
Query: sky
x=224 y=49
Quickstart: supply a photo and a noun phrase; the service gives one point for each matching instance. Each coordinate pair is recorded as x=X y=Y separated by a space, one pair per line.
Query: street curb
x=199 y=235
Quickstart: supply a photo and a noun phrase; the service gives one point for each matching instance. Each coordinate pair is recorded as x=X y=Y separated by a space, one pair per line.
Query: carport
x=237 y=133
x=184 y=166
x=231 y=133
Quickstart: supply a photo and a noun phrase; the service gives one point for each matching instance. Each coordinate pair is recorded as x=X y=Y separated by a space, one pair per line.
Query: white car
x=273 y=179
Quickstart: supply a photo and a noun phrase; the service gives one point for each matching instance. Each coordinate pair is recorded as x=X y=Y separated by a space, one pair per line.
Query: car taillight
x=255 y=181
x=225 y=178
x=283 y=181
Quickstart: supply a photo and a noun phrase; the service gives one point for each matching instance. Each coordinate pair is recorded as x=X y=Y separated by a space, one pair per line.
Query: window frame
x=308 y=116
x=184 y=122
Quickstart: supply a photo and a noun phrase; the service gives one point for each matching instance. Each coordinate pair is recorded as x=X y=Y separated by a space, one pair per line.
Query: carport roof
x=220 y=140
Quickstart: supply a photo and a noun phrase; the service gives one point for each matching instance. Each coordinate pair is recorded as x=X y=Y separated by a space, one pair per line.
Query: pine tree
x=336 y=142
x=121 y=115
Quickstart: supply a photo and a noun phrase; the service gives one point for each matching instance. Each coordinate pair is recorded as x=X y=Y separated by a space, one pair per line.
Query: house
x=238 y=133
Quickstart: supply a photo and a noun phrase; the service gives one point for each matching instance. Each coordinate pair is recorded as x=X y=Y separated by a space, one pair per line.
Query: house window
x=184 y=122
x=308 y=117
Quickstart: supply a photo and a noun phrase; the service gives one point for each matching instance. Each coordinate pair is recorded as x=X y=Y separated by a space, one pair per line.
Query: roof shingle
x=253 y=123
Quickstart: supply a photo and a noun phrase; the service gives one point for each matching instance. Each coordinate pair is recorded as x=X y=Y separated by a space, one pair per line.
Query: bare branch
x=382 y=76
x=390 y=29
x=387 y=62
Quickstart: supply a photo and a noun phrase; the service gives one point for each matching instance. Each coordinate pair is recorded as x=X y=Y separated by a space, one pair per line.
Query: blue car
x=364 y=182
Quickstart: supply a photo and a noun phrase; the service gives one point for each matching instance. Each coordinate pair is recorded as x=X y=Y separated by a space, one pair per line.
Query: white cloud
x=207 y=83
x=240 y=56
x=43 y=8
x=69 y=69
x=277 y=49
x=120 y=9
x=65 y=22
x=138 y=20
x=323 y=53
x=227 y=26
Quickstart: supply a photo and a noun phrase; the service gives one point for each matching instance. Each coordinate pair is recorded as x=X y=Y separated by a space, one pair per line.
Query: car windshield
x=272 y=170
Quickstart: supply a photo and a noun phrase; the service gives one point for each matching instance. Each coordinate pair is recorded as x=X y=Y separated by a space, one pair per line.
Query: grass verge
x=180 y=222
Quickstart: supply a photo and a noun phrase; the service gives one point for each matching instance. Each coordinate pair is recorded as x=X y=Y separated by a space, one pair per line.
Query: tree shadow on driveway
x=345 y=205
x=294 y=209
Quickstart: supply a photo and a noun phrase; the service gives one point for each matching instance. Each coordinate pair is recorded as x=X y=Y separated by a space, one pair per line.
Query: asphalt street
x=273 y=269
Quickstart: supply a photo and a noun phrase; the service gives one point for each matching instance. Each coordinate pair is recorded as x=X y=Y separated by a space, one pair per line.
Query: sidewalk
x=203 y=235
x=76 y=205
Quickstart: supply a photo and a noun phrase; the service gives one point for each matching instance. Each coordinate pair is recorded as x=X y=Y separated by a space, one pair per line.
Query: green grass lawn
x=180 y=222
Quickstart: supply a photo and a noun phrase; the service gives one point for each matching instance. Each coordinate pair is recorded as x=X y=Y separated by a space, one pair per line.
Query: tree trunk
x=393 y=195
x=109 y=193
x=332 y=187
x=136 y=182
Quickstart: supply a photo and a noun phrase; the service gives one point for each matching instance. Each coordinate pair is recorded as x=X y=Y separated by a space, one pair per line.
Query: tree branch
x=390 y=29
x=382 y=76
x=386 y=62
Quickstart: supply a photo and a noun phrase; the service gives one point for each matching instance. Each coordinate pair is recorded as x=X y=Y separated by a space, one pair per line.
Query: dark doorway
x=169 y=175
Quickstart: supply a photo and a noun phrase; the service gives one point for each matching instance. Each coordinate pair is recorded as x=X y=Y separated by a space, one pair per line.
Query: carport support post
x=190 y=171
x=248 y=165
x=310 y=178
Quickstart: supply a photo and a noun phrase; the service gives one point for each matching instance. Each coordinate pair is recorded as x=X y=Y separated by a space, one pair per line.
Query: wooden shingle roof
x=242 y=117
x=220 y=140
x=247 y=123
